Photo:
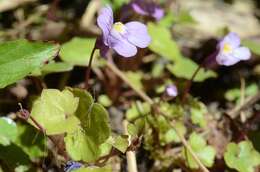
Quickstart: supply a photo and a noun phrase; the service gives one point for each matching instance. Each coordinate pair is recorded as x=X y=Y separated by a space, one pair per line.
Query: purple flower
x=123 y=38
x=230 y=51
x=71 y=165
x=171 y=90
x=143 y=7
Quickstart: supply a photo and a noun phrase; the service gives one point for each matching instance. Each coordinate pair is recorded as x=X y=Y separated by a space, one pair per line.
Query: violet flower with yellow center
x=230 y=51
x=123 y=38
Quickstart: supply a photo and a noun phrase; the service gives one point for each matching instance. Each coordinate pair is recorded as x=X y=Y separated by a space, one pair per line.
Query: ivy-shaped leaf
x=54 y=111
x=204 y=152
x=8 y=131
x=121 y=143
x=198 y=113
x=19 y=58
x=242 y=157
x=94 y=130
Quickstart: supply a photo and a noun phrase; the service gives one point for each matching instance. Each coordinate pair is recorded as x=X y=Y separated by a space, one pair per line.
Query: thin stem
x=89 y=68
x=189 y=82
x=151 y=102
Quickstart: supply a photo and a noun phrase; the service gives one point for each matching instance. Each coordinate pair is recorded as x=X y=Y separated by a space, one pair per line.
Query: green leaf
x=94 y=130
x=54 y=111
x=190 y=67
x=77 y=51
x=171 y=135
x=254 y=46
x=55 y=67
x=13 y=156
x=204 y=152
x=164 y=45
x=198 y=113
x=121 y=143
x=104 y=100
x=8 y=131
x=94 y=169
x=31 y=141
x=137 y=109
x=242 y=157
x=19 y=58
x=235 y=93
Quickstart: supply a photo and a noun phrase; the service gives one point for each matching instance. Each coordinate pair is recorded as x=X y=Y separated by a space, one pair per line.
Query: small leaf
x=121 y=143
x=204 y=152
x=19 y=58
x=242 y=157
x=54 y=110
x=8 y=131
x=104 y=100
x=171 y=135
x=77 y=51
x=137 y=109
x=197 y=115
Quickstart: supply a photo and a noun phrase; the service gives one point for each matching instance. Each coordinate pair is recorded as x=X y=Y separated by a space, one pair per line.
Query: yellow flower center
x=227 y=48
x=119 y=27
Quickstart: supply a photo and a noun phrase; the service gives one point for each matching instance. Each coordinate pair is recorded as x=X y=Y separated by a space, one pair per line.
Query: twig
x=89 y=13
x=248 y=102
x=150 y=101
x=242 y=99
x=130 y=155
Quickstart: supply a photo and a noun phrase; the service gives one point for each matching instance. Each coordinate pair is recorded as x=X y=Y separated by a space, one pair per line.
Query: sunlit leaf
x=204 y=152
x=198 y=115
x=19 y=58
x=242 y=157
x=93 y=130
x=54 y=111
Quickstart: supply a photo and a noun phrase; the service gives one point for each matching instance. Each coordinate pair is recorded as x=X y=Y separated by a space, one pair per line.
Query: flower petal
x=233 y=39
x=242 y=53
x=137 y=34
x=138 y=9
x=158 y=13
x=125 y=48
x=121 y=45
x=226 y=59
x=105 y=21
